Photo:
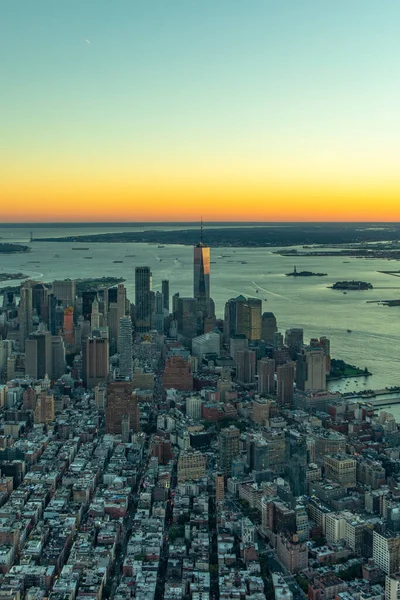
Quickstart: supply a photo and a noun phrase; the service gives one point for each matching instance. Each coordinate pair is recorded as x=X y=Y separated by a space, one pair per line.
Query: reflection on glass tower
x=202 y=271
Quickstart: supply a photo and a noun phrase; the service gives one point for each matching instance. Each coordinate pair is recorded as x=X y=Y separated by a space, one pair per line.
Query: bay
x=306 y=302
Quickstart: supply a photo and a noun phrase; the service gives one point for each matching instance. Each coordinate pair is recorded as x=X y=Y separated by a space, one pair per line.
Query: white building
x=208 y=343
x=193 y=407
x=392 y=587
x=386 y=552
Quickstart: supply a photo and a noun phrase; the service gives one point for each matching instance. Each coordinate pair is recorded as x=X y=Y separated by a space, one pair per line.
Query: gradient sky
x=230 y=109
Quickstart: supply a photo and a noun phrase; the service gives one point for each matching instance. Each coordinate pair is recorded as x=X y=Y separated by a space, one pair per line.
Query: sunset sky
x=171 y=109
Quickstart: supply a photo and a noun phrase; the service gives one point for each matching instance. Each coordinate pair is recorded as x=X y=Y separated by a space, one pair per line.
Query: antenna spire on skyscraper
x=201 y=230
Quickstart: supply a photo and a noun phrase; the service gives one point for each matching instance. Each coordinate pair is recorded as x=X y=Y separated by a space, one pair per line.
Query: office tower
x=268 y=327
x=187 y=317
x=201 y=273
x=25 y=313
x=165 y=293
x=95 y=356
x=248 y=318
x=220 y=487
x=277 y=341
x=237 y=343
x=246 y=366
x=125 y=348
x=266 y=376
x=257 y=453
x=159 y=312
x=294 y=339
x=325 y=344
x=311 y=369
x=38 y=355
x=65 y=291
x=296 y=462
x=175 y=300
x=87 y=302
x=39 y=299
x=95 y=315
x=68 y=326
x=121 y=403
x=284 y=385
x=228 y=448
x=125 y=429
x=230 y=317
x=57 y=357
x=116 y=309
x=44 y=409
x=5 y=353
x=142 y=299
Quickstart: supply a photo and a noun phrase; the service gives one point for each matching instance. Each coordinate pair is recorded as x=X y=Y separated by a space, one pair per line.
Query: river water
x=374 y=341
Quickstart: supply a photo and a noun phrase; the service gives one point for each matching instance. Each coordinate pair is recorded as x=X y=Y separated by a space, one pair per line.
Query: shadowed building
x=121 y=405
x=95 y=356
x=284 y=384
x=143 y=299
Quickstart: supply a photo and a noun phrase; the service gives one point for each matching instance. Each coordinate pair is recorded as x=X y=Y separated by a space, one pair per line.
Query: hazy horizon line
x=205 y=223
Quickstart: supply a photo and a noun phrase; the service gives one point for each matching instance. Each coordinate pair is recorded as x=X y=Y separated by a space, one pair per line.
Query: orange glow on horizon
x=119 y=197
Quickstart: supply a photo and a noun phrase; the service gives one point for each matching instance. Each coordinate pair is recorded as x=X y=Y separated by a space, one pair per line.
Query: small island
x=352 y=285
x=11 y=276
x=342 y=370
x=6 y=248
x=297 y=273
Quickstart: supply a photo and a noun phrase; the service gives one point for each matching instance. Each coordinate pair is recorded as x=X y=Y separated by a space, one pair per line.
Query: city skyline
x=269 y=111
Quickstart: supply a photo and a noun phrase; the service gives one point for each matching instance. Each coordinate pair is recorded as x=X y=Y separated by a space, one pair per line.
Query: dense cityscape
x=153 y=450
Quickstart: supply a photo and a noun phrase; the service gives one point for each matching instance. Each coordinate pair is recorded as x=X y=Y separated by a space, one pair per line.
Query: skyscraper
x=65 y=291
x=246 y=366
x=142 y=299
x=25 y=313
x=268 y=327
x=95 y=355
x=159 y=308
x=165 y=293
x=38 y=360
x=284 y=386
x=125 y=347
x=228 y=448
x=201 y=275
x=266 y=376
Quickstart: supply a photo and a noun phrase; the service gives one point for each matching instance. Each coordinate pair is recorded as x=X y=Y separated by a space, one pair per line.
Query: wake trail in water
x=269 y=292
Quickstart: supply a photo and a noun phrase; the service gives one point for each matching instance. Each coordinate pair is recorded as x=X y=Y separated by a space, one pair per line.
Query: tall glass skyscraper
x=201 y=278
x=143 y=299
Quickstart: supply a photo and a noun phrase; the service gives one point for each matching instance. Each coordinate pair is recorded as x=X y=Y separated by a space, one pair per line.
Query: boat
x=161 y=246
x=344 y=292
x=349 y=331
x=88 y=257
x=130 y=255
x=80 y=248
x=118 y=261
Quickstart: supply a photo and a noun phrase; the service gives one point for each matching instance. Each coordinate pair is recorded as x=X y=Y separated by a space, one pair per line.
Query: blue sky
x=202 y=82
